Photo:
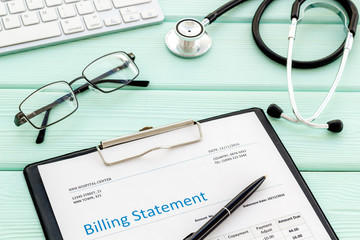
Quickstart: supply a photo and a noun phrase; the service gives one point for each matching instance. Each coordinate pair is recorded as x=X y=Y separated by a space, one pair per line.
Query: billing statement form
x=167 y=194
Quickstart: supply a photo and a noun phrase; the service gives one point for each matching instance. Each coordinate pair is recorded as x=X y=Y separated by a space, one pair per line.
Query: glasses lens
x=111 y=71
x=49 y=104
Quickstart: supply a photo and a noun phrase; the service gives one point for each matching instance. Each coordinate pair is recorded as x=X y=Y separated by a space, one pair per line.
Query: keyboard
x=27 y=24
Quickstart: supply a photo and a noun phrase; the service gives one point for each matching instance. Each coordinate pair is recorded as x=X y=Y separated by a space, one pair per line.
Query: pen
x=226 y=211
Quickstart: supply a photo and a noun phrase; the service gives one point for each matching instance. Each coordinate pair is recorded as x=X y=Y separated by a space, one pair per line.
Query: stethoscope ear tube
x=351 y=11
x=353 y=15
x=189 y=39
x=275 y=111
x=348 y=5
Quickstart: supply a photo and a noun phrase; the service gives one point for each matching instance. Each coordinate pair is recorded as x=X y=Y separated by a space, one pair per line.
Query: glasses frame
x=21 y=114
x=21 y=118
x=131 y=57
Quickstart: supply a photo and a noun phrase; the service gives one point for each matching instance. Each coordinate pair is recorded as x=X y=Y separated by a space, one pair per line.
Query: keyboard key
x=52 y=3
x=92 y=21
x=67 y=11
x=48 y=15
x=34 y=4
x=71 y=1
x=85 y=7
x=125 y=3
x=11 y=22
x=68 y=20
x=29 y=34
x=16 y=6
x=128 y=10
x=30 y=18
x=131 y=17
x=111 y=21
x=102 y=5
x=152 y=13
x=2 y=9
x=72 y=25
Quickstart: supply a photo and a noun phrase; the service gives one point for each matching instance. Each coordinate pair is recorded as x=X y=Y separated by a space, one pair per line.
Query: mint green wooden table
x=232 y=76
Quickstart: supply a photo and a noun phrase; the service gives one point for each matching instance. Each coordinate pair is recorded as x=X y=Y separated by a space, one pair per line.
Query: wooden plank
x=18 y=219
x=337 y=194
x=233 y=63
x=104 y=116
x=339 y=197
x=278 y=10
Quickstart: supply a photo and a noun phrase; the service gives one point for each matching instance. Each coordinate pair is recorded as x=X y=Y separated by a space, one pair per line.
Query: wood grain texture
x=234 y=62
x=232 y=76
x=278 y=11
x=128 y=111
x=337 y=194
x=333 y=192
x=18 y=219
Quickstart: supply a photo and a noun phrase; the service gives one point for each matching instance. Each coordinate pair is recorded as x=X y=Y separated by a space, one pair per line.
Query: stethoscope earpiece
x=189 y=39
x=335 y=126
x=275 y=111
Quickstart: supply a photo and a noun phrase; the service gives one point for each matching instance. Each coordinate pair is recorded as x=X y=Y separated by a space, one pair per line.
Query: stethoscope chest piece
x=188 y=39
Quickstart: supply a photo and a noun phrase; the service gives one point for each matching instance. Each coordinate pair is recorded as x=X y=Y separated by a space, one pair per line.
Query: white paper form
x=168 y=194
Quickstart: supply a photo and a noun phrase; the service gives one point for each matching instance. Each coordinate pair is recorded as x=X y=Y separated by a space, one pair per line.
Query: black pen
x=226 y=211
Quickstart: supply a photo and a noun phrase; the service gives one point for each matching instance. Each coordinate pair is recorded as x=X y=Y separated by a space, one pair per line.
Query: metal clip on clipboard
x=145 y=134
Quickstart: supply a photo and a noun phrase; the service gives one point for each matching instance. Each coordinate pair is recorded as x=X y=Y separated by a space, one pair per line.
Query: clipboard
x=44 y=208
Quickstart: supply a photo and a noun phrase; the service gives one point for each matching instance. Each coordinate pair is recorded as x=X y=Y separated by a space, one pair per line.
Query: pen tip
x=265 y=176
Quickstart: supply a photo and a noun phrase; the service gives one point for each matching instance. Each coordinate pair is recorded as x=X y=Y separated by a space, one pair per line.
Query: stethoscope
x=188 y=39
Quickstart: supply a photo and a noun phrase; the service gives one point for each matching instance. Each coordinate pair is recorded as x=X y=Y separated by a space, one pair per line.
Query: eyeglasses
x=105 y=74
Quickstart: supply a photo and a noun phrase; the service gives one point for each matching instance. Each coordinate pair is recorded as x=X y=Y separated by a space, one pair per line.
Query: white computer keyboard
x=31 y=23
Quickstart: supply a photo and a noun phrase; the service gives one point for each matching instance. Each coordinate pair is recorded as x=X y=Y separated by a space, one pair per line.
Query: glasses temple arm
x=19 y=115
x=140 y=83
x=85 y=86
x=108 y=73
x=112 y=71
x=80 y=89
x=41 y=136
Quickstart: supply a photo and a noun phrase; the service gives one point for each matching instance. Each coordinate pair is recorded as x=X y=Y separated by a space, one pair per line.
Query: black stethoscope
x=189 y=39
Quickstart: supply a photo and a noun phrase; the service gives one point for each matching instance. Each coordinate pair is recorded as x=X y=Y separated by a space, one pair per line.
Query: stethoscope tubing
x=343 y=51
x=255 y=29
x=198 y=47
x=299 y=117
x=223 y=9
x=290 y=83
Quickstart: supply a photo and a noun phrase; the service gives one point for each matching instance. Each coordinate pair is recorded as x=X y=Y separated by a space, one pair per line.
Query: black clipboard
x=47 y=217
